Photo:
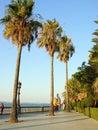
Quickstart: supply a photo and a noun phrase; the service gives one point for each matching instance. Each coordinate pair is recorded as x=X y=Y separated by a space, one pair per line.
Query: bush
x=92 y=112
x=89 y=101
x=83 y=104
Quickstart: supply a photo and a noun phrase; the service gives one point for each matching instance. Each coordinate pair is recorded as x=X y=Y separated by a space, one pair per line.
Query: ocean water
x=7 y=104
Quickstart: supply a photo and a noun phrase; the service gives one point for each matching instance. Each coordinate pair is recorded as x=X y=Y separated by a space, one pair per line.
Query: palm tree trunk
x=67 y=95
x=13 y=114
x=51 y=110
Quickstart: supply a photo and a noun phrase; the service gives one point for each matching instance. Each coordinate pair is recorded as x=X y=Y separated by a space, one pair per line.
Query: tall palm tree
x=48 y=38
x=21 y=26
x=66 y=51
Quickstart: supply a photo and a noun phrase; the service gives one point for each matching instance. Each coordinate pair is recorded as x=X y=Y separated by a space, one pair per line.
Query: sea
x=8 y=104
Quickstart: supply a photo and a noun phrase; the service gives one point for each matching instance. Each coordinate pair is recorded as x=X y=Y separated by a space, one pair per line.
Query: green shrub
x=83 y=104
x=79 y=104
x=89 y=101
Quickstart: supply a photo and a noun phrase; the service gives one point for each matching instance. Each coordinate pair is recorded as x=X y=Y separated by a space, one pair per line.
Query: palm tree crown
x=66 y=50
x=20 y=25
x=49 y=36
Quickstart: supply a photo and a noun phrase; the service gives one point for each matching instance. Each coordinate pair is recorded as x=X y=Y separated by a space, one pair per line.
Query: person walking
x=2 y=108
x=59 y=101
x=55 y=104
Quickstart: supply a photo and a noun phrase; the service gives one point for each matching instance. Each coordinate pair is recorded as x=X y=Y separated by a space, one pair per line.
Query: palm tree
x=21 y=26
x=66 y=51
x=48 y=38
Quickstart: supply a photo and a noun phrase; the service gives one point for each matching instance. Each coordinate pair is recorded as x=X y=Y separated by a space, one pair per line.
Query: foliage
x=49 y=36
x=93 y=57
x=89 y=101
x=73 y=89
x=66 y=49
x=83 y=104
x=95 y=40
x=20 y=24
x=85 y=75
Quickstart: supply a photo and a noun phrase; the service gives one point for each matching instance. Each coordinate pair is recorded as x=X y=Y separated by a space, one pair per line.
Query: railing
x=7 y=110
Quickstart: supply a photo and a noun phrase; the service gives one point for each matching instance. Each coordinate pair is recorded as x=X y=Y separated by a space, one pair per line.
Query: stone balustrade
x=29 y=109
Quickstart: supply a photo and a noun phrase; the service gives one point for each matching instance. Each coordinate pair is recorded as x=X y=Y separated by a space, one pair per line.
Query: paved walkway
x=40 y=121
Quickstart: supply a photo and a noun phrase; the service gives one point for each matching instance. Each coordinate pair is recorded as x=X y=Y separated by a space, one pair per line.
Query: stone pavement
x=40 y=121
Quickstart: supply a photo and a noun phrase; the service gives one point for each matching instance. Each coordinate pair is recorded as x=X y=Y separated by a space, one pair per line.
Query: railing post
x=42 y=108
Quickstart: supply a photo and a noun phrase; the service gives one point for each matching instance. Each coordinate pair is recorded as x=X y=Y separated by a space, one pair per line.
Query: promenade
x=40 y=121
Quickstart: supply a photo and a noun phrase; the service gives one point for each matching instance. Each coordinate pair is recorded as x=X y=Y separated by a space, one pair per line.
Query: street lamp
x=18 y=92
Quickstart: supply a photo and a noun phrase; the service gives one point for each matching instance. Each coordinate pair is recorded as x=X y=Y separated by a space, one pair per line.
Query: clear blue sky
x=77 y=19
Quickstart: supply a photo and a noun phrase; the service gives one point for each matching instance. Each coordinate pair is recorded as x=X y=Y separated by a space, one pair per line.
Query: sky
x=77 y=19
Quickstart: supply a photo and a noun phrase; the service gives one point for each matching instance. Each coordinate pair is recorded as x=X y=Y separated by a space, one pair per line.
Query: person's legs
x=1 y=111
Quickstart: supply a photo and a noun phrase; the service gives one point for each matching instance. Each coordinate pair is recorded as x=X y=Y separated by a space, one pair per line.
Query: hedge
x=89 y=111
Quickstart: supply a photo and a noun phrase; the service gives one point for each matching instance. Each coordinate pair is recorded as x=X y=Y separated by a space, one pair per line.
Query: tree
x=86 y=76
x=74 y=89
x=93 y=57
x=66 y=51
x=48 y=38
x=21 y=26
x=93 y=61
x=96 y=34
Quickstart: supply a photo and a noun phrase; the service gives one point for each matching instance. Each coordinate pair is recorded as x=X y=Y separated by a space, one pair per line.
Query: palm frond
x=35 y=24
x=72 y=50
x=96 y=33
x=5 y=19
x=95 y=40
x=96 y=21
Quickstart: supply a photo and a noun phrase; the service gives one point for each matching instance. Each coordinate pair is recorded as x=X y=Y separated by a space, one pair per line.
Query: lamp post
x=18 y=92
